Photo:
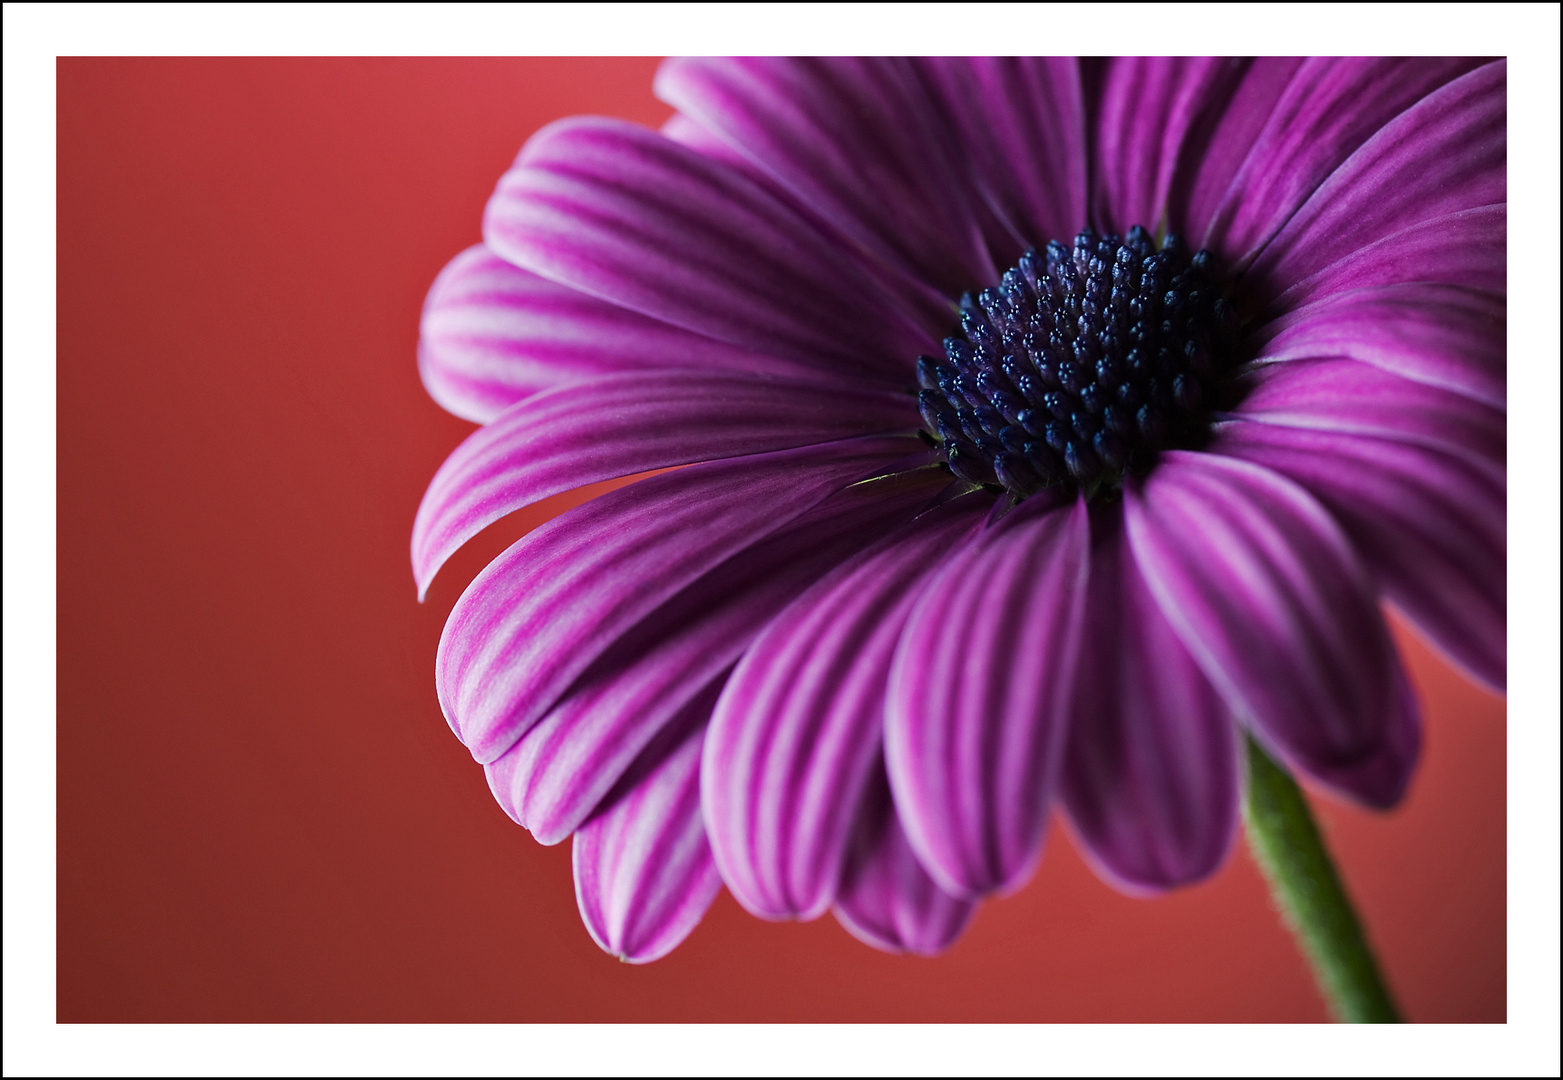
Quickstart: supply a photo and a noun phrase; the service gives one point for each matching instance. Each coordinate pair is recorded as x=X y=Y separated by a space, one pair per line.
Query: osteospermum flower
x=1048 y=426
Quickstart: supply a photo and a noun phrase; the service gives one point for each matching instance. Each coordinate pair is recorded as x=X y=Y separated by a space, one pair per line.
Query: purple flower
x=999 y=495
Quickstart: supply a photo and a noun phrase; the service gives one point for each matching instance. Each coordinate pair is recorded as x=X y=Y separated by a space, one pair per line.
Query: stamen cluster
x=1081 y=366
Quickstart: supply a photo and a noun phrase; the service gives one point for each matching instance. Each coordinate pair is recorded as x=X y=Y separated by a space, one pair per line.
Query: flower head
x=1046 y=426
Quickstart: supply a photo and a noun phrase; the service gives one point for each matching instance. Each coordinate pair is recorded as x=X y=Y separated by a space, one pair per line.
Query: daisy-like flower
x=1049 y=426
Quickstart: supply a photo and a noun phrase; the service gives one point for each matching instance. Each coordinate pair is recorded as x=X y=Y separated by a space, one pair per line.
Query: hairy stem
x=1291 y=852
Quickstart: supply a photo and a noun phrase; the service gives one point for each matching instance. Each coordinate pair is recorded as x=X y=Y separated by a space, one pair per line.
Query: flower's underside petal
x=624 y=424
x=1150 y=778
x=1265 y=591
x=800 y=723
x=855 y=140
x=1020 y=122
x=1467 y=249
x=979 y=691
x=1441 y=335
x=553 y=777
x=1361 y=399
x=887 y=899
x=639 y=220
x=538 y=615
x=493 y=334
x=1429 y=526
x=1446 y=153
x=644 y=876
x=1146 y=110
x=1329 y=107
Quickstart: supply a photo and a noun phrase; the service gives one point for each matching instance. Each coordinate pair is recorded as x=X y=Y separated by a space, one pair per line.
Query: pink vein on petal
x=624 y=424
x=644 y=876
x=1264 y=589
x=977 y=713
x=562 y=767
x=538 y=615
x=694 y=243
x=799 y=724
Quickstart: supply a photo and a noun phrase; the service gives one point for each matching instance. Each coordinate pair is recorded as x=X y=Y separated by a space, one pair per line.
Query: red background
x=262 y=815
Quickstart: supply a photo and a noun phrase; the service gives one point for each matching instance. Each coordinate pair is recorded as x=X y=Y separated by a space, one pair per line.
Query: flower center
x=1081 y=366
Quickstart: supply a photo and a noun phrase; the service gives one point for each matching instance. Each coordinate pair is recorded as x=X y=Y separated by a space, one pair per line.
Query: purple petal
x=1468 y=249
x=1207 y=176
x=887 y=899
x=1327 y=110
x=475 y=349
x=624 y=424
x=550 y=780
x=977 y=713
x=854 y=140
x=1360 y=399
x=558 y=774
x=633 y=217
x=799 y=726
x=1429 y=526
x=1148 y=107
x=1446 y=153
x=1264 y=590
x=1009 y=113
x=644 y=876
x=924 y=303
x=1150 y=779
x=538 y=615
x=493 y=334
x=686 y=131
x=1440 y=335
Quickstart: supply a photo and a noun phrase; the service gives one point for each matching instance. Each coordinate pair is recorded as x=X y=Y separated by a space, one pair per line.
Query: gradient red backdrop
x=262 y=815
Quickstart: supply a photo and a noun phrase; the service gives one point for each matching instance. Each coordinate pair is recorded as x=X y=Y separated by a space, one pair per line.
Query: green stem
x=1303 y=881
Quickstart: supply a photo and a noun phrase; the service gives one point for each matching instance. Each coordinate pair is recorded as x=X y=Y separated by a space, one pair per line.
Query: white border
x=34 y=35
x=770 y=29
